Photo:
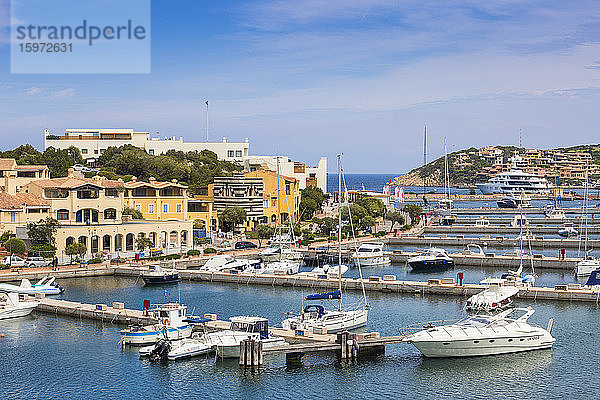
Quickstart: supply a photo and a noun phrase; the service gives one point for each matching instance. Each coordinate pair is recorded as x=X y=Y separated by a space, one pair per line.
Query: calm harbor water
x=45 y=357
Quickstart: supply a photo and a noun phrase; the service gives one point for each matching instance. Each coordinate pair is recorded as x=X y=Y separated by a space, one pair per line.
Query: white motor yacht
x=370 y=254
x=12 y=307
x=46 y=285
x=480 y=335
x=515 y=181
x=327 y=269
x=482 y=221
x=568 y=231
x=220 y=263
x=277 y=252
x=494 y=298
x=516 y=278
x=171 y=324
x=555 y=213
x=432 y=259
x=285 y=267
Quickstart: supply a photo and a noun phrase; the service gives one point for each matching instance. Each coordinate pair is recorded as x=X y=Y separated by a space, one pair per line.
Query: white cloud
x=65 y=93
x=33 y=91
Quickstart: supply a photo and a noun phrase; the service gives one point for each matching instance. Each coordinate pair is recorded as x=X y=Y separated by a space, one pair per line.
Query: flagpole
x=206 y=120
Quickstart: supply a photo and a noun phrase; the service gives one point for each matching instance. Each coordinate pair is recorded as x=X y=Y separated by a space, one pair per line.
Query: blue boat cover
x=594 y=278
x=196 y=320
x=325 y=296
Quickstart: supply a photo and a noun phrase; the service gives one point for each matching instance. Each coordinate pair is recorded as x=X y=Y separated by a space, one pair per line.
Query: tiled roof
x=7 y=164
x=72 y=183
x=16 y=201
x=31 y=167
x=267 y=172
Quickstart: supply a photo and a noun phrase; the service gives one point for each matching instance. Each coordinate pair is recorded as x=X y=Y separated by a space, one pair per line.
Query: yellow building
x=289 y=190
x=20 y=208
x=13 y=177
x=169 y=201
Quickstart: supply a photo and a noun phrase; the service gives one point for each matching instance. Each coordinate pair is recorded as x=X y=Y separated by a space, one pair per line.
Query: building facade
x=241 y=191
x=14 y=177
x=93 y=142
x=286 y=199
x=305 y=175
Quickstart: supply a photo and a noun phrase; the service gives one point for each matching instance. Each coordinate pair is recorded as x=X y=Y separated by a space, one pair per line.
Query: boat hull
x=350 y=320
x=483 y=347
x=431 y=265
x=149 y=336
x=371 y=261
x=157 y=280
x=21 y=311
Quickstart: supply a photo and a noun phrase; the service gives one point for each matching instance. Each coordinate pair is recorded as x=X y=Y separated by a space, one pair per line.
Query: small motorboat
x=285 y=267
x=46 y=285
x=474 y=250
x=222 y=263
x=593 y=281
x=12 y=307
x=568 y=232
x=481 y=335
x=555 y=213
x=432 y=259
x=370 y=254
x=494 y=298
x=512 y=278
x=170 y=325
x=158 y=275
x=519 y=221
x=482 y=221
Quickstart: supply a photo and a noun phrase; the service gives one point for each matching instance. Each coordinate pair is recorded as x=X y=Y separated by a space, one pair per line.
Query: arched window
x=70 y=240
x=106 y=242
x=86 y=215
x=129 y=242
x=118 y=242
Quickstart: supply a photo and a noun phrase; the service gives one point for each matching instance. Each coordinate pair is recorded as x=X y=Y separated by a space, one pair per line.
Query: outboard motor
x=161 y=350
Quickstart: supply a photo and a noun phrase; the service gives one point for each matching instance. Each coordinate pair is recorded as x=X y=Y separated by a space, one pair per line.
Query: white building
x=306 y=175
x=93 y=142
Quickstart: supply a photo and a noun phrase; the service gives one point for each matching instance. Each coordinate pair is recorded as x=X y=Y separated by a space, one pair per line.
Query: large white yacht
x=480 y=335
x=370 y=254
x=513 y=181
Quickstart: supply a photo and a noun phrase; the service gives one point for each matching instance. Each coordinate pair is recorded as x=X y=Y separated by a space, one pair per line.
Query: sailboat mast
x=424 y=160
x=340 y=229
x=521 y=234
x=585 y=206
x=446 y=177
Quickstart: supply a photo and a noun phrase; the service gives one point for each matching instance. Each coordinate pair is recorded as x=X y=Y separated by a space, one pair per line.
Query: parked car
x=245 y=245
x=14 y=261
x=37 y=262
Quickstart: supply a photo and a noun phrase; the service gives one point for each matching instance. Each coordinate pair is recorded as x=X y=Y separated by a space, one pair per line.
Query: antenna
x=424 y=159
x=520 y=138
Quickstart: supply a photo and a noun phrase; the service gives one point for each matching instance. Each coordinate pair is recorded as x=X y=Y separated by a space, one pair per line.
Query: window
x=110 y=213
x=287 y=189
x=165 y=208
x=84 y=151
x=230 y=153
x=151 y=152
x=62 y=215
x=13 y=216
x=95 y=151
x=238 y=153
x=151 y=208
x=102 y=151
x=111 y=192
x=138 y=207
x=178 y=208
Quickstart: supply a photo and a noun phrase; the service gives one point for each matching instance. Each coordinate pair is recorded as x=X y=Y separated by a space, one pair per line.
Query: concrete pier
x=501 y=229
x=499 y=242
x=114 y=314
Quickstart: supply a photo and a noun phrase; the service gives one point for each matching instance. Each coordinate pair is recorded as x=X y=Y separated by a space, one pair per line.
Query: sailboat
x=314 y=316
x=588 y=264
x=445 y=205
x=516 y=276
x=281 y=256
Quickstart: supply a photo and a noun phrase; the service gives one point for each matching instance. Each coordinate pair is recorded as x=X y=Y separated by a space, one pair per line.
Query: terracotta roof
x=72 y=183
x=18 y=200
x=33 y=167
x=7 y=164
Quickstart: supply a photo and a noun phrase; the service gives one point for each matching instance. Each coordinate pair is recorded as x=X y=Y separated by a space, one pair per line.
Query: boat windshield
x=473 y=322
x=366 y=250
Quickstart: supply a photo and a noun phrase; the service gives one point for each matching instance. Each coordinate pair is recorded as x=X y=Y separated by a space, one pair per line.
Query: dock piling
x=251 y=353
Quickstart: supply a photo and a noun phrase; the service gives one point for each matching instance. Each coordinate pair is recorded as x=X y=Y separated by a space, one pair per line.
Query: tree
x=232 y=216
x=357 y=212
x=135 y=214
x=5 y=236
x=75 y=249
x=367 y=222
x=395 y=217
x=414 y=212
x=263 y=232
x=142 y=243
x=15 y=246
x=43 y=231
x=311 y=200
x=374 y=207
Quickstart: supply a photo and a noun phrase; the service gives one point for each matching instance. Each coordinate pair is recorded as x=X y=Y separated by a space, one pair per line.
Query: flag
x=399 y=195
x=206 y=103
x=387 y=190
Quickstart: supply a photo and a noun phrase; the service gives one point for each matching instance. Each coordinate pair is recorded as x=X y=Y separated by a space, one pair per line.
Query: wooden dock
x=500 y=229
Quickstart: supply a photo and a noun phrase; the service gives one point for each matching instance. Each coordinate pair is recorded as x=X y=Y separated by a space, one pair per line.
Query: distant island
x=473 y=165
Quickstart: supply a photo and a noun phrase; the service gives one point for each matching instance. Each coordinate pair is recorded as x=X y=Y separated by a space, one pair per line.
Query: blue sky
x=310 y=78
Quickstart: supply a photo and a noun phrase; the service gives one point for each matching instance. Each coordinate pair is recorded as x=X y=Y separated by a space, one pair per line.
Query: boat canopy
x=594 y=279
x=320 y=310
x=325 y=296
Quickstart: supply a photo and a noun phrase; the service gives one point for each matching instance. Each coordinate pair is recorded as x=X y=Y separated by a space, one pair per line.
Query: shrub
x=193 y=252
x=15 y=246
x=210 y=250
x=96 y=260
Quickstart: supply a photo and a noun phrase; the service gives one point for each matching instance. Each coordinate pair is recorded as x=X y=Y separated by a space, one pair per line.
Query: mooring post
x=343 y=341
x=251 y=353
